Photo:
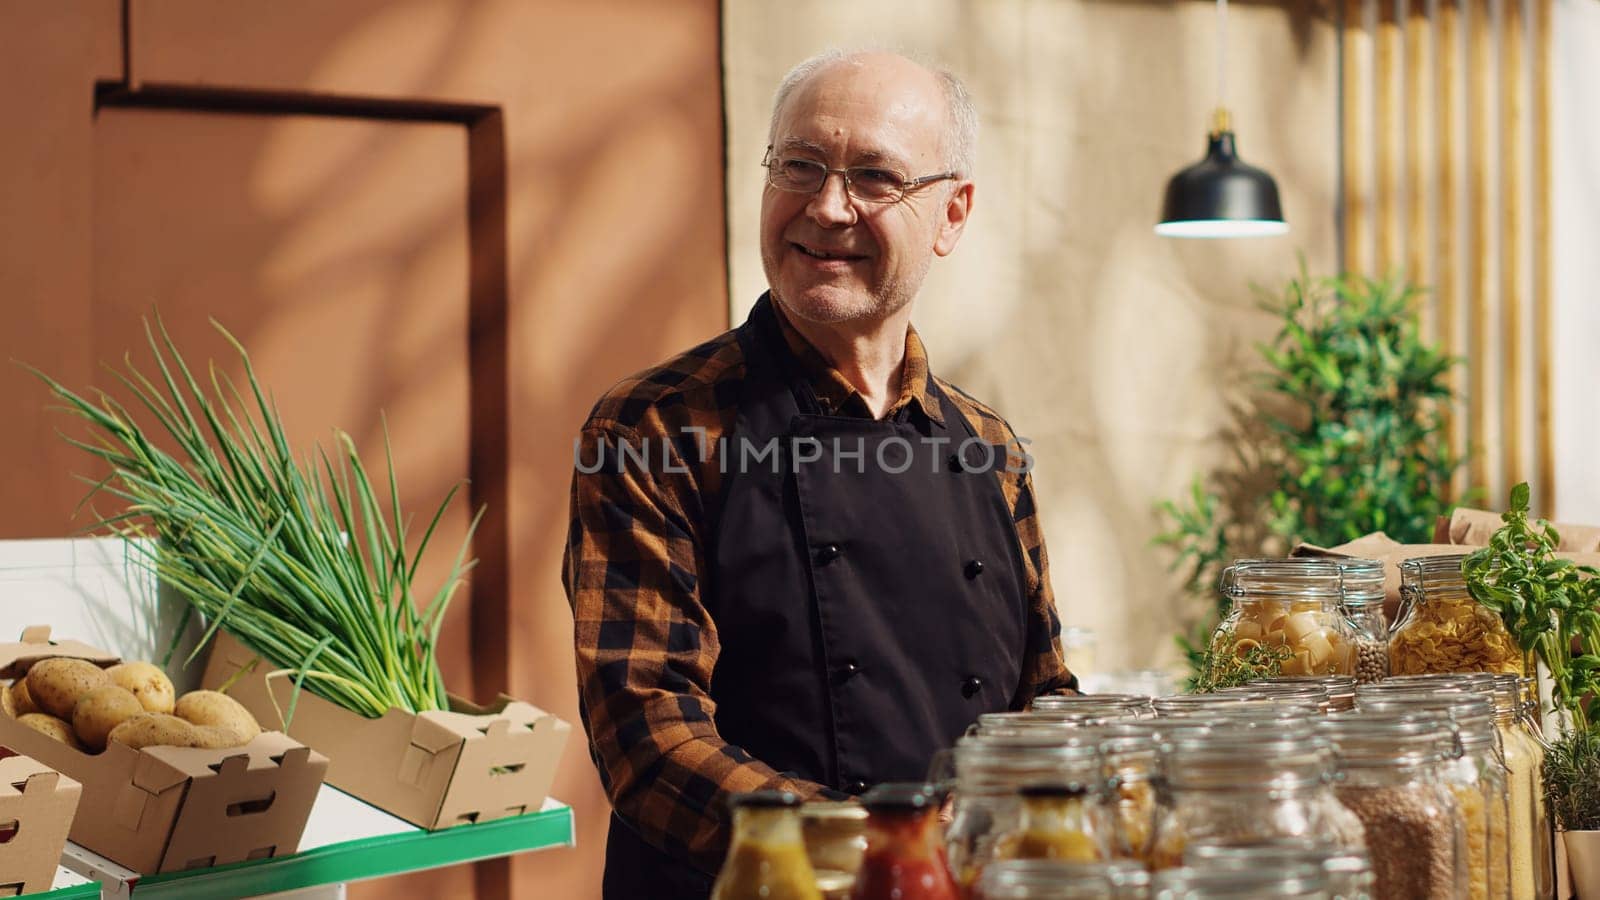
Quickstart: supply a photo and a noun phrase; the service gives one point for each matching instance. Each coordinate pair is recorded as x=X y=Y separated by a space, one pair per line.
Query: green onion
x=297 y=560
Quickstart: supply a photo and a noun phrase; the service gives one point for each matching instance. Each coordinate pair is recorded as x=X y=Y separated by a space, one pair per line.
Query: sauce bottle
x=905 y=850
x=767 y=857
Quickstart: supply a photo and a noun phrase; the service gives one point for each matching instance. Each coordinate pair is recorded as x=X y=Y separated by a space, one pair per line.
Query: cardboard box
x=434 y=769
x=164 y=809
x=36 y=808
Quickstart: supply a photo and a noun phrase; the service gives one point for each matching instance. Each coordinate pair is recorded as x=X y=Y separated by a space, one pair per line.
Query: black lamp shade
x=1220 y=196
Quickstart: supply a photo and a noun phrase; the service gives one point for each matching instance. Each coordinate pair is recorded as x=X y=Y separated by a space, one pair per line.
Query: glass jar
x=990 y=773
x=1293 y=608
x=1056 y=821
x=1040 y=879
x=835 y=834
x=1389 y=770
x=1107 y=706
x=1544 y=834
x=1340 y=690
x=1179 y=705
x=1363 y=606
x=998 y=723
x=1349 y=874
x=1440 y=628
x=766 y=856
x=1138 y=794
x=1478 y=778
x=1230 y=883
x=1524 y=759
x=905 y=858
x=1246 y=784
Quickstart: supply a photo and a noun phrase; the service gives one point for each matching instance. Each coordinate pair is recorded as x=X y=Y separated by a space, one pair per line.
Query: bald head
x=959 y=128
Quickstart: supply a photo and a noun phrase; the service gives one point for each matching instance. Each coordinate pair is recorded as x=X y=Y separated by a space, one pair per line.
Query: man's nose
x=832 y=205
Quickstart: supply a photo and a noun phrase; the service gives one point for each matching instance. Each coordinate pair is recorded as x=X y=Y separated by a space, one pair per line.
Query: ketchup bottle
x=905 y=849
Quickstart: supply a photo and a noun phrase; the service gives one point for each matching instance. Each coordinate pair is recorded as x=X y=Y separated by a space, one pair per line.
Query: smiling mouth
x=827 y=255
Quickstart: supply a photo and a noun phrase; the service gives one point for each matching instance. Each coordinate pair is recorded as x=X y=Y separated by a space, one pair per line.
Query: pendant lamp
x=1220 y=196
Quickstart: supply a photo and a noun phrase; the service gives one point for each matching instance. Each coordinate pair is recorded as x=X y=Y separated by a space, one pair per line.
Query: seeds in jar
x=1411 y=837
x=1372 y=660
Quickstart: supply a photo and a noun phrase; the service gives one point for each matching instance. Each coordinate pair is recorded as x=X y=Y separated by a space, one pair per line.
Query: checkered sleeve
x=1044 y=668
x=646 y=647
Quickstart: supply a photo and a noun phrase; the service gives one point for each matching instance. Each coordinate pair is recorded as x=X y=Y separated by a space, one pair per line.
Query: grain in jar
x=1389 y=771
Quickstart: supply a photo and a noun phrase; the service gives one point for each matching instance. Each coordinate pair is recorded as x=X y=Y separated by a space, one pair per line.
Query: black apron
x=867 y=588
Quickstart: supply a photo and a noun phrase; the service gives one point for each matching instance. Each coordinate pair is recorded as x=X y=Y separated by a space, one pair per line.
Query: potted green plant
x=1343 y=436
x=1551 y=607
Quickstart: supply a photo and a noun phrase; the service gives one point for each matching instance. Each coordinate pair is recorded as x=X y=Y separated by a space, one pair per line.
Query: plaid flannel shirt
x=646 y=646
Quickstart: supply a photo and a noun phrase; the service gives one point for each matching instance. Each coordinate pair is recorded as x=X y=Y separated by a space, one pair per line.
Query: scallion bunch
x=296 y=560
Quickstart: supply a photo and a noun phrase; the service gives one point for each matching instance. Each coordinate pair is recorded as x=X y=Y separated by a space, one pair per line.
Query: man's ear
x=953 y=219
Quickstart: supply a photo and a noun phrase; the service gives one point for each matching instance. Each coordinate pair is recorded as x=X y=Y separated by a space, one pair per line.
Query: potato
x=219 y=737
x=155 y=730
x=147 y=682
x=51 y=727
x=101 y=710
x=218 y=710
x=21 y=700
x=57 y=684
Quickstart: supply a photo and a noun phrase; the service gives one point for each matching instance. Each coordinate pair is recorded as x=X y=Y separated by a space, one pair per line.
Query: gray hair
x=961 y=129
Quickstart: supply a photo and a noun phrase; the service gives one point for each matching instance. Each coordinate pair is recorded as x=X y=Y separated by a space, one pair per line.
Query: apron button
x=971 y=687
x=974 y=569
x=856 y=787
x=846 y=672
x=827 y=553
x=955 y=463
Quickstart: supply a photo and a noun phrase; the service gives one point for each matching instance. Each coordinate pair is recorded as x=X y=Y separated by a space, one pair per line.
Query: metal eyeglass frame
x=907 y=185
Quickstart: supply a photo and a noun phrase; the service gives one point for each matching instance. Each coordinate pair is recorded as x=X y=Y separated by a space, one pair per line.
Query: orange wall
x=607 y=272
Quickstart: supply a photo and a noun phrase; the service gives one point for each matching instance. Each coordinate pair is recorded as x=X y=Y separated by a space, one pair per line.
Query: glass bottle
x=1293 y=608
x=905 y=857
x=1363 y=606
x=835 y=835
x=1055 y=823
x=1389 y=769
x=1440 y=628
x=766 y=857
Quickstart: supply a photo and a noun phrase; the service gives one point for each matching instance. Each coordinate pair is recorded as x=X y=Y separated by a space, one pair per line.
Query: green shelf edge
x=355 y=860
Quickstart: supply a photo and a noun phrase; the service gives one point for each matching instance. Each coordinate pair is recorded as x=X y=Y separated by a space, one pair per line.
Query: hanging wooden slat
x=1448 y=31
x=1386 y=84
x=1513 y=199
x=1479 y=164
x=1543 y=256
x=1357 y=136
x=1419 y=149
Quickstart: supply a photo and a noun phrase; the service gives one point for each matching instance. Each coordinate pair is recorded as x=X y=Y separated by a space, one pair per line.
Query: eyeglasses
x=873 y=184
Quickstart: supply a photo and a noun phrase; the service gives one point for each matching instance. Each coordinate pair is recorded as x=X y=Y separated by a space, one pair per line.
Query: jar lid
x=832 y=811
x=1433 y=573
x=1285 y=755
x=1046 y=879
x=1094 y=704
x=764 y=800
x=1473 y=714
x=900 y=796
x=1292 y=578
x=1363 y=580
x=1369 y=739
x=1055 y=790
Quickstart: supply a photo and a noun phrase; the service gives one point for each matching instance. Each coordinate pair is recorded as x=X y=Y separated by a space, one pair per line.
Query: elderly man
x=798 y=559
